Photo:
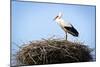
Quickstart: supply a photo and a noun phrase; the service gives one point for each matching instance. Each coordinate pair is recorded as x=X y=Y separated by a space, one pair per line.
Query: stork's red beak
x=55 y=17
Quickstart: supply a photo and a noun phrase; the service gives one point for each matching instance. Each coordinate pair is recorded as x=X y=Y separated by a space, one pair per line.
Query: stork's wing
x=72 y=31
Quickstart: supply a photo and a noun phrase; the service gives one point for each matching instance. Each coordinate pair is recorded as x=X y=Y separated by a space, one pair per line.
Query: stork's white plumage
x=66 y=26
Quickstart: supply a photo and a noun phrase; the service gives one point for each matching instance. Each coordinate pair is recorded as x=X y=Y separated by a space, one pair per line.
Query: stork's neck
x=60 y=21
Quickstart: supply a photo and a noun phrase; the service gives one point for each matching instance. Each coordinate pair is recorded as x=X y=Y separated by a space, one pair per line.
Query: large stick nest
x=52 y=52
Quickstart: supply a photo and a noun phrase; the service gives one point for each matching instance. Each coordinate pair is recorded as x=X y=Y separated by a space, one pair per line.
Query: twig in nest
x=32 y=58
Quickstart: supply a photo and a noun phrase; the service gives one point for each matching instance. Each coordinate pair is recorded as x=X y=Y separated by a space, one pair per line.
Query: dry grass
x=52 y=52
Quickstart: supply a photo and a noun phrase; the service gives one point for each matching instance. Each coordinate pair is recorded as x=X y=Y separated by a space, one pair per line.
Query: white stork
x=66 y=26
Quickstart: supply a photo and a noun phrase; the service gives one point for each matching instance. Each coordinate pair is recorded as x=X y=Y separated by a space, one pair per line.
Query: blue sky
x=33 y=21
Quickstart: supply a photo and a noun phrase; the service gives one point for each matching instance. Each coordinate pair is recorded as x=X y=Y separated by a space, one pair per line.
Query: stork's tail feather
x=72 y=31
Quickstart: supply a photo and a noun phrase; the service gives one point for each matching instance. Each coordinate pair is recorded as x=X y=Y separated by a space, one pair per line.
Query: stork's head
x=58 y=16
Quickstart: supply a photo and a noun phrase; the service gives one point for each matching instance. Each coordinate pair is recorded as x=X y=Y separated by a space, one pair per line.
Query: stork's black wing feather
x=72 y=31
